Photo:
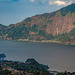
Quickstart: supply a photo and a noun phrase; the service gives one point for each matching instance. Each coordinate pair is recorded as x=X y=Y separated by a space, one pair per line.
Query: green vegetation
x=2 y=30
x=49 y=36
x=27 y=19
x=18 y=33
x=5 y=72
x=72 y=32
x=30 y=66
x=73 y=23
x=44 y=26
x=66 y=10
x=34 y=28
x=41 y=32
x=65 y=73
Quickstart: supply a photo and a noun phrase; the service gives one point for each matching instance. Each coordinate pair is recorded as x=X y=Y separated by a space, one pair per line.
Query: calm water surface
x=56 y=56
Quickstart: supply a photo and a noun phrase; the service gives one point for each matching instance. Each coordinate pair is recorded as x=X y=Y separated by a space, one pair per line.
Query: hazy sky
x=13 y=11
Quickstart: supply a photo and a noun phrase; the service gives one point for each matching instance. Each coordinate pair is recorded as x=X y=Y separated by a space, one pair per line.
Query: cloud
x=59 y=2
x=55 y=2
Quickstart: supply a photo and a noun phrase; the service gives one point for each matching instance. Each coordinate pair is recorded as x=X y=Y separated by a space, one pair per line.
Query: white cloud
x=60 y=2
x=55 y=2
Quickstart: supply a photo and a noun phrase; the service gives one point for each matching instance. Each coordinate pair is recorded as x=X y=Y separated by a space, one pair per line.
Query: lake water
x=58 y=57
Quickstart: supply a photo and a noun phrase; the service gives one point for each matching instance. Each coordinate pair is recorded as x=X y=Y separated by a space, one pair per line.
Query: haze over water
x=56 y=56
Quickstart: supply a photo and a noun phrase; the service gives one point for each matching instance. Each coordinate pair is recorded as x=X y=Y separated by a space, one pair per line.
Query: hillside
x=2 y=30
x=30 y=67
x=48 y=26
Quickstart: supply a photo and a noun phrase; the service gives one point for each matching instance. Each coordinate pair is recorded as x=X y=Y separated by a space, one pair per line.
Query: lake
x=57 y=56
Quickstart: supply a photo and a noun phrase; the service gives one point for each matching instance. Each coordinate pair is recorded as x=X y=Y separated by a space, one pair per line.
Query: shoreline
x=43 y=41
x=47 y=41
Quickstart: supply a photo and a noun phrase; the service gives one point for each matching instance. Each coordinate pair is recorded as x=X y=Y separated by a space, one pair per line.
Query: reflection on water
x=56 y=56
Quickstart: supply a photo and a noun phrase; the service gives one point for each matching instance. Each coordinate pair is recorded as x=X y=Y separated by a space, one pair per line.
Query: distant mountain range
x=58 y=25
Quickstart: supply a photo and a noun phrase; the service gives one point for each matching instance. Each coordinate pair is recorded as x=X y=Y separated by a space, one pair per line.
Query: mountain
x=58 y=25
x=32 y=61
x=2 y=30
